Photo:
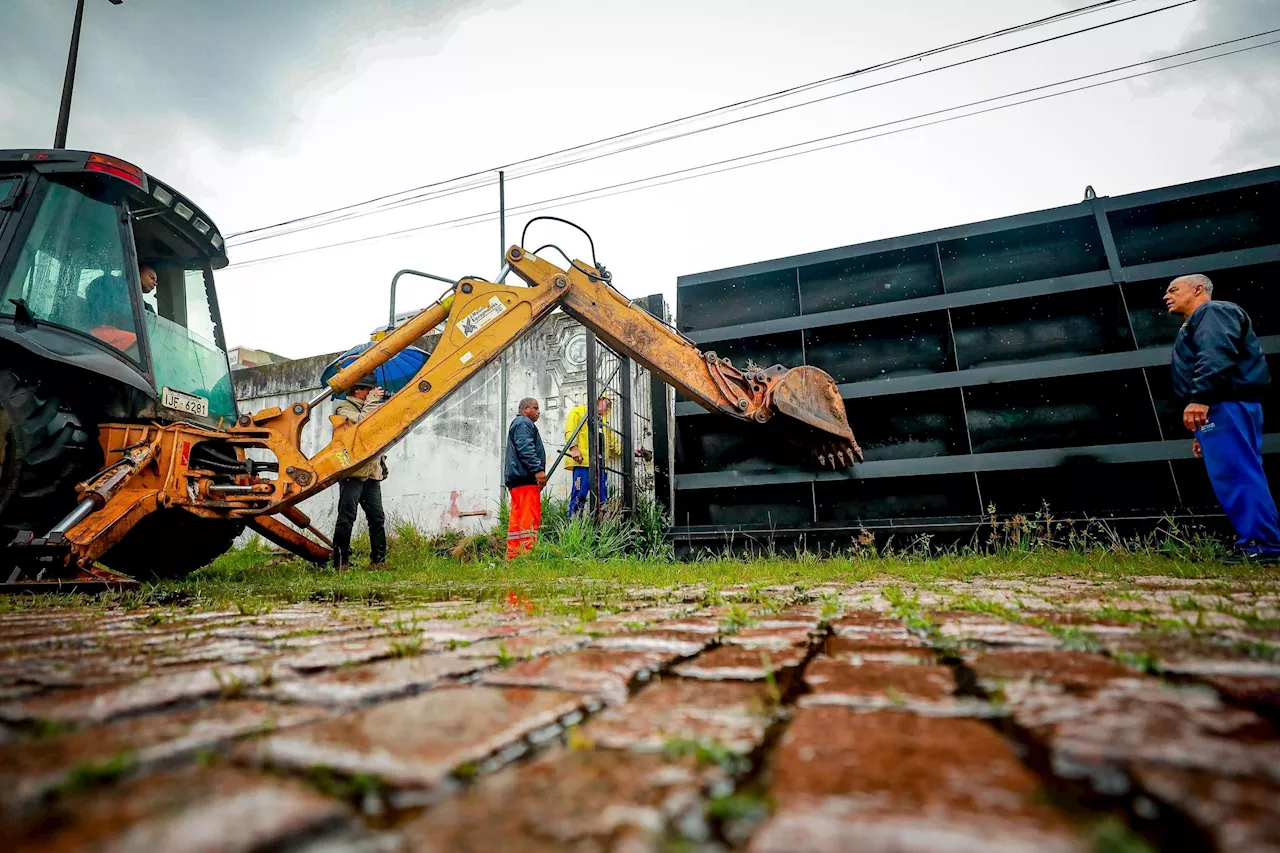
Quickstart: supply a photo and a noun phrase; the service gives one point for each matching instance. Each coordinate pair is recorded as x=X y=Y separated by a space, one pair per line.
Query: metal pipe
x=395 y=279
x=319 y=398
x=502 y=214
x=69 y=81
x=231 y=489
x=77 y=515
x=385 y=349
x=502 y=273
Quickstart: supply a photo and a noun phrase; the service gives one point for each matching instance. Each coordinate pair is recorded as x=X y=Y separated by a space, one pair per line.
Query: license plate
x=183 y=402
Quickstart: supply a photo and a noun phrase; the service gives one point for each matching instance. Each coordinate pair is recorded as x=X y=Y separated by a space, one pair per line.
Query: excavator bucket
x=810 y=396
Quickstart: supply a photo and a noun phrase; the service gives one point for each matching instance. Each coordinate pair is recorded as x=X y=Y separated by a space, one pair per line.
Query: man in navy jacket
x=1219 y=374
x=525 y=474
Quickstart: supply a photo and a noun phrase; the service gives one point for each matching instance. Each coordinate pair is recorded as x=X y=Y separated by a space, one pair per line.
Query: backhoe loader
x=120 y=442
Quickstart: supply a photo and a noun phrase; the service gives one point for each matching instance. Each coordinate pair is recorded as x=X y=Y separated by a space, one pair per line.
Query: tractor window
x=181 y=330
x=199 y=312
x=71 y=270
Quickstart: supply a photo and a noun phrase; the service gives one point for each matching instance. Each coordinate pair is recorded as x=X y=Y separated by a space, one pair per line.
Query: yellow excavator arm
x=485 y=318
x=161 y=466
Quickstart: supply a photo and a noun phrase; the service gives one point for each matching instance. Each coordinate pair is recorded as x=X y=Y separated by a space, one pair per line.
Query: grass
x=586 y=561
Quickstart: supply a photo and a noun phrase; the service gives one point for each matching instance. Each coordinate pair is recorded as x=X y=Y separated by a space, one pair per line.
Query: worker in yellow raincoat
x=579 y=460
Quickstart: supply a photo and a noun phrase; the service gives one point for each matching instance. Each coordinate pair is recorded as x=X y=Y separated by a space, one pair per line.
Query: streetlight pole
x=69 y=81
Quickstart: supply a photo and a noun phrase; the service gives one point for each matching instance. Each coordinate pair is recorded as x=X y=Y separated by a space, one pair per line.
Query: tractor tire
x=44 y=453
x=171 y=544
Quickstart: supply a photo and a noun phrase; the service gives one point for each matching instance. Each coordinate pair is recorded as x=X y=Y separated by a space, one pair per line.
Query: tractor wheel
x=171 y=544
x=44 y=452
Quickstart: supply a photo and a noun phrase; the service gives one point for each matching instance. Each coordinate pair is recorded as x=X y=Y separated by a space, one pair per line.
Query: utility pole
x=502 y=218
x=69 y=81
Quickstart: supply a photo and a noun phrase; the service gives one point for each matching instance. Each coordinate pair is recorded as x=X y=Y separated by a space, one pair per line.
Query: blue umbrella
x=392 y=376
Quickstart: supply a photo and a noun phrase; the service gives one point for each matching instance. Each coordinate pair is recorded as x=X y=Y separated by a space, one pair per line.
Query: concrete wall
x=447 y=473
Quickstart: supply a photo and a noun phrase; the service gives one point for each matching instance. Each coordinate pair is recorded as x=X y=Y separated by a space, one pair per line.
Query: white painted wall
x=447 y=473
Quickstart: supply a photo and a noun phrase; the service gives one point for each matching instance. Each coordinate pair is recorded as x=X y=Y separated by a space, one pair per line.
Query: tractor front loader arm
x=481 y=319
x=485 y=318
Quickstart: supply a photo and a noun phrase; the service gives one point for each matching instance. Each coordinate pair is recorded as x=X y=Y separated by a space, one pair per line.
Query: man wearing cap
x=362 y=487
x=579 y=461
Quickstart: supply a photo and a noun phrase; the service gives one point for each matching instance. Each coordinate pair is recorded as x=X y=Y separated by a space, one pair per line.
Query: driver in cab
x=113 y=305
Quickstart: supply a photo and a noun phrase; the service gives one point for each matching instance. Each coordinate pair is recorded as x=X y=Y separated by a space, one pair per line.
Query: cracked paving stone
x=1102 y=628
x=353 y=685
x=993 y=632
x=733 y=714
x=879 y=685
x=416 y=743
x=902 y=783
x=768 y=638
x=1225 y=668
x=213 y=810
x=580 y=800
x=841 y=648
x=100 y=704
x=644 y=614
x=343 y=653
x=797 y=616
x=1241 y=815
x=456 y=634
x=691 y=625
x=868 y=630
x=527 y=646
x=679 y=643
x=1074 y=671
x=736 y=663
x=29 y=769
x=1100 y=737
x=608 y=674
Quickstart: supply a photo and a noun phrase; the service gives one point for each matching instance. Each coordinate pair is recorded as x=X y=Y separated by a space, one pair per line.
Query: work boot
x=379 y=566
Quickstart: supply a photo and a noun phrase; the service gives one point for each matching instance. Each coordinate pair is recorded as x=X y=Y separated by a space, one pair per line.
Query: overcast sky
x=264 y=111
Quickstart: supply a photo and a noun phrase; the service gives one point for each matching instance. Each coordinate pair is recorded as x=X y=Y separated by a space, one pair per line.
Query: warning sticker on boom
x=480 y=317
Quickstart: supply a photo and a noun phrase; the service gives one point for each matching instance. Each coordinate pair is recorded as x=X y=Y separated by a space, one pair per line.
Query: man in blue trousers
x=1219 y=374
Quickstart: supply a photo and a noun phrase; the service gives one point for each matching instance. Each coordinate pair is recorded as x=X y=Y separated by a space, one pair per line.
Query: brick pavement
x=1042 y=714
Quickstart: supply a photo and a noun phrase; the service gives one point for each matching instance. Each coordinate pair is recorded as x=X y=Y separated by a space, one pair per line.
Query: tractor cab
x=107 y=298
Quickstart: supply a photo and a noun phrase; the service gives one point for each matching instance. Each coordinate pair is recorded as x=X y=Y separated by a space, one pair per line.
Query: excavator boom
x=184 y=466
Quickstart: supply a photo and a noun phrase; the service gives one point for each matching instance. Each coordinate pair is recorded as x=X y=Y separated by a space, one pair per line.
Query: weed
x=355 y=789
x=831 y=608
x=1112 y=836
x=737 y=619
x=505 y=658
x=91 y=775
x=230 y=686
x=42 y=728
x=1145 y=662
x=1260 y=649
x=406 y=647
x=707 y=753
x=771 y=683
x=739 y=806
x=1073 y=638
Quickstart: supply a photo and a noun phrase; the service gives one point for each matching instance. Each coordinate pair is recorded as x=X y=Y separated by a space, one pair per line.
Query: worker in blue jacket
x=1219 y=374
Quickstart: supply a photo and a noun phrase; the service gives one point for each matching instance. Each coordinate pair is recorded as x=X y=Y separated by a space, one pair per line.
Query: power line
x=555 y=166
x=680 y=175
x=1095 y=7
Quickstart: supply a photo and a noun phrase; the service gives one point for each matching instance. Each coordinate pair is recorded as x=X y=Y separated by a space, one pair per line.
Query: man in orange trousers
x=525 y=473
